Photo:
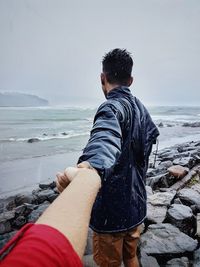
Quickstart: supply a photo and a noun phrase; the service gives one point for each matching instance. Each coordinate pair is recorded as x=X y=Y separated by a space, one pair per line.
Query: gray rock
x=149 y=190
x=35 y=214
x=191 y=124
x=158 y=181
x=155 y=214
x=177 y=201
x=7 y=215
x=44 y=195
x=161 y=199
x=189 y=196
x=197 y=258
x=185 y=162
x=33 y=140
x=148 y=261
x=182 y=217
x=5 y=227
x=23 y=198
x=88 y=261
x=198 y=226
x=89 y=246
x=5 y=238
x=164 y=240
x=19 y=222
x=178 y=262
x=47 y=185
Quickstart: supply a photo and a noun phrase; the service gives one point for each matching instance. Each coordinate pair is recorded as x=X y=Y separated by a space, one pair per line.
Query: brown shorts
x=111 y=249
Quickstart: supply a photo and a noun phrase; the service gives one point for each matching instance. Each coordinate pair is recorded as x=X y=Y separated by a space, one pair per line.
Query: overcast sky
x=53 y=48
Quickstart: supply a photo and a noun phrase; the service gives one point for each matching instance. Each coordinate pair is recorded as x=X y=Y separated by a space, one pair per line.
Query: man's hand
x=63 y=179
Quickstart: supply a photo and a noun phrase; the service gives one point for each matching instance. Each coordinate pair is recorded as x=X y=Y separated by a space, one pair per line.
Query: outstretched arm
x=70 y=212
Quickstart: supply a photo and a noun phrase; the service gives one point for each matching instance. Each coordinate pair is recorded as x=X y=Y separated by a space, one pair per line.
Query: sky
x=54 y=48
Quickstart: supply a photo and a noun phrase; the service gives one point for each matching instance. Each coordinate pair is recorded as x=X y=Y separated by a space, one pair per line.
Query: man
x=118 y=149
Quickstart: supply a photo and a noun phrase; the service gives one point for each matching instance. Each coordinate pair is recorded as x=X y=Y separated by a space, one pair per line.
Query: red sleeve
x=39 y=245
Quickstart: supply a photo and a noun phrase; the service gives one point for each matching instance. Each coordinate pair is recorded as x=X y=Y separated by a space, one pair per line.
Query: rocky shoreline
x=171 y=231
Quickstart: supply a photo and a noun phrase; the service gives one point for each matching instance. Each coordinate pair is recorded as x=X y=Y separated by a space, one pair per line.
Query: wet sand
x=23 y=175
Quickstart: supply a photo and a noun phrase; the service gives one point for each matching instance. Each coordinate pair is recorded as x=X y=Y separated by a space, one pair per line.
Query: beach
x=36 y=143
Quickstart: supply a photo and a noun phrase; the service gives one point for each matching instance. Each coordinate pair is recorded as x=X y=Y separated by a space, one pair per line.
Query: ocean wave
x=46 y=137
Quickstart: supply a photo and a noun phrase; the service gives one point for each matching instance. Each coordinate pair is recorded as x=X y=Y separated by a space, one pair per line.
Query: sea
x=60 y=133
x=58 y=130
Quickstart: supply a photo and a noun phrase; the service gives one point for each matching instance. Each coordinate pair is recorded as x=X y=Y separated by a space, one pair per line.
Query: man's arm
x=104 y=146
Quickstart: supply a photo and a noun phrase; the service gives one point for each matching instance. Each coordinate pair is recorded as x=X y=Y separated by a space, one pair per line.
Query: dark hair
x=117 y=66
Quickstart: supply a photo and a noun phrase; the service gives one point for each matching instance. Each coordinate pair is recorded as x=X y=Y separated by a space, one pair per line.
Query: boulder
x=178 y=171
x=198 y=226
x=196 y=262
x=51 y=185
x=178 y=262
x=7 y=215
x=161 y=180
x=44 y=195
x=33 y=140
x=5 y=227
x=191 y=124
x=35 y=214
x=19 y=222
x=23 y=198
x=89 y=246
x=148 y=261
x=182 y=217
x=155 y=214
x=5 y=238
x=189 y=196
x=164 y=240
x=185 y=162
x=161 y=199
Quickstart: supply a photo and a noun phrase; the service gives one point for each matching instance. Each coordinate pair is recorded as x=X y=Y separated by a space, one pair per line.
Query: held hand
x=63 y=179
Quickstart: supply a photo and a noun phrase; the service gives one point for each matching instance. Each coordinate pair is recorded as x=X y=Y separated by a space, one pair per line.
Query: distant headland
x=13 y=99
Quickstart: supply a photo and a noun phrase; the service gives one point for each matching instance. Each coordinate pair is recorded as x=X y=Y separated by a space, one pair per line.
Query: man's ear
x=103 y=79
x=130 y=81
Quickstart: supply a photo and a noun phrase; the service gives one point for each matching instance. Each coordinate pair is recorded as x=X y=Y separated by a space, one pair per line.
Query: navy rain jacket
x=119 y=147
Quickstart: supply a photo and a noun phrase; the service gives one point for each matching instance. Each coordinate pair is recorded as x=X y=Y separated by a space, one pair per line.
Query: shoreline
x=23 y=175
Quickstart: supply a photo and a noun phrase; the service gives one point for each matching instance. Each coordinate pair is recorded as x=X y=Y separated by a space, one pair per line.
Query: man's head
x=117 y=67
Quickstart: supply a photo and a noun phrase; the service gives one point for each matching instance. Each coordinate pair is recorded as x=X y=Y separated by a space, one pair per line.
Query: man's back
x=119 y=147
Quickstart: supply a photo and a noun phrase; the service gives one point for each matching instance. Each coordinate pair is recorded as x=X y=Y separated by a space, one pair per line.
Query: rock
x=149 y=190
x=155 y=214
x=164 y=240
x=182 y=217
x=19 y=222
x=64 y=133
x=178 y=171
x=191 y=124
x=44 y=195
x=160 y=125
x=198 y=226
x=5 y=238
x=185 y=180
x=33 y=140
x=35 y=214
x=5 y=227
x=177 y=201
x=148 y=261
x=182 y=262
x=7 y=215
x=89 y=246
x=196 y=258
x=185 y=162
x=51 y=185
x=52 y=197
x=23 y=198
x=161 y=199
x=11 y=205
x=158 y=181
x=88 y=261
x=189 y=196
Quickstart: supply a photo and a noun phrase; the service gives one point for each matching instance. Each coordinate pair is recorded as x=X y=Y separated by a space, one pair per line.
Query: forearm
x=70 y=212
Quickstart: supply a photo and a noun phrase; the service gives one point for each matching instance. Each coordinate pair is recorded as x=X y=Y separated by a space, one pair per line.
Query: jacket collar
x=118 y=92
